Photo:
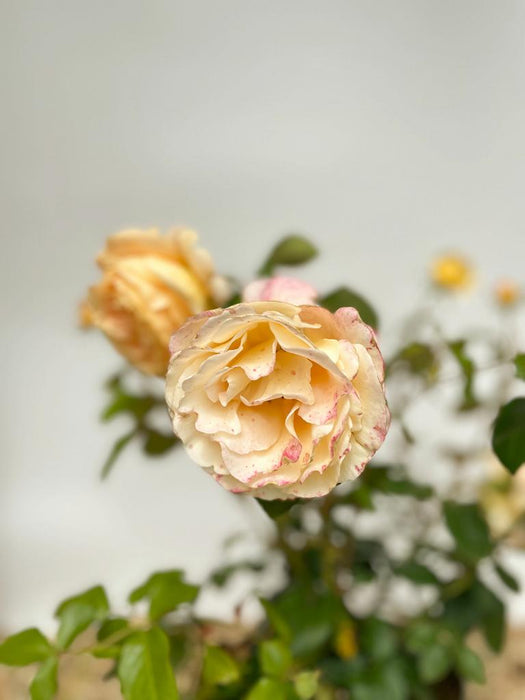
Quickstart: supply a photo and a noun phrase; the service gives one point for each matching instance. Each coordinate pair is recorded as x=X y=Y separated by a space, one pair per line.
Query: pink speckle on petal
x=333 y=441
x=293 y=451
x=380 y=430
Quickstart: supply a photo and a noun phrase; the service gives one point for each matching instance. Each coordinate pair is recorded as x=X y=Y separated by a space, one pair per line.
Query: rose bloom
x=150 y=285
x=277 y=400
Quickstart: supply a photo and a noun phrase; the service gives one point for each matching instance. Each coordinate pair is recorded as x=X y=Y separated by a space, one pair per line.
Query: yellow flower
x=451 y=272
x=276 y=400
x=507 y=292
x=151 y=284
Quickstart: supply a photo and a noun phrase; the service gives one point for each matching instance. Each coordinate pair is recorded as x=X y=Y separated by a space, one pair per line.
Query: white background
x=388 y=131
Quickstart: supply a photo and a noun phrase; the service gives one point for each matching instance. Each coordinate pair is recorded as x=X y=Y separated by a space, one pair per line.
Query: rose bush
x=277 y=400
x=151 y=284
x=280 y=398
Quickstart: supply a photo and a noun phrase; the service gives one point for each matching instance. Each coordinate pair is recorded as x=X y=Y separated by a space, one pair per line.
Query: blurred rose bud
x=278 y=401
x=288 y=289
x=150 y=285
x=507 y=293
x=452 y=272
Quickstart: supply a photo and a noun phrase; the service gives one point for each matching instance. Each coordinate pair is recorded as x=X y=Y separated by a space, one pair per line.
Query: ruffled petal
x=290 y=379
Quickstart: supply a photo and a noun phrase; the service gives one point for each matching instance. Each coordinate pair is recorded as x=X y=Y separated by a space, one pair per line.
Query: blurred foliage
x=314 y=641
x=519 y=363
x=419 y=359
x=137 y=407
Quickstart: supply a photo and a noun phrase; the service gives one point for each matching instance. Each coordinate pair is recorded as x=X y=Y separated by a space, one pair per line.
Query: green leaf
x=268 y=689
x=291 y=250
x=363 y=572
x=395 y=676
x=507 y=578
x=233 y=300
x=434 y=663
x=508 y=437
x=144 y=667
x=469 y=528
x=306 y=684
x=137 y=406
x=312 y=617
x=387 y=679
x=311 y=638
x=318 y=625
x=110 y=627
x=25 y=648
x=275 y=658
x=519 y=363
x=420 y=634
x=468 y=370
x=492 y=613
x=387 y=479
x=221 y=576
x=341 y=672
x=360 y=497
x=469 y=665
x=219 y=667
x=477 y=607
x=165 y=591
x=179 y=644
x=106 y=652
x=157 y=443
x=461 y=611
x=342 y=296
x=276 y=620
x=115 y=453
x=417 y=573
x=405 y=487
x=45 y=683
x=378 y=639
x=277 y=508
x=369 y=557
x=419 y=359
x=77 y=613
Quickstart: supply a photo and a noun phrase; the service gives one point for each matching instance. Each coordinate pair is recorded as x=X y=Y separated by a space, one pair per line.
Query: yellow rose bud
x=507 y=292
x=151 y=284
x=451 y=272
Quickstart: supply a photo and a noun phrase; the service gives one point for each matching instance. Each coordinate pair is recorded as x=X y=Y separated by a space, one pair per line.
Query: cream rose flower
x=151 y=285
x=277 y=400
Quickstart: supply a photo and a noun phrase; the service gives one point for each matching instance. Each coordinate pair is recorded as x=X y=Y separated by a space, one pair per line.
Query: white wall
x=386 y=130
